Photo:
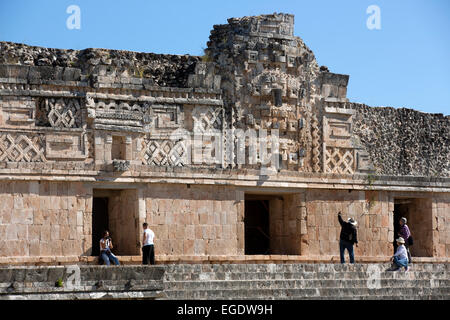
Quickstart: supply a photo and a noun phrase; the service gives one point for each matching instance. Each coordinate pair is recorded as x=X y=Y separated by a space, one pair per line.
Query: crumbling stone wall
x=157 y=69
x=404 y=141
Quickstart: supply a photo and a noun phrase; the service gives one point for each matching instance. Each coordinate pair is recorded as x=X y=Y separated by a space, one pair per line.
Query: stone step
x=302 y=284
x=79 y=282
x=227 y=281
x=205 y=276
x=92 y=286
x=331 y=293
x=241 y=272
x=295 y=268
x=107 y=295
x=87 y=273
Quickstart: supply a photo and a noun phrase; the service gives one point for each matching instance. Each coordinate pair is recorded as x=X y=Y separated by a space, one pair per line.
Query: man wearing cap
x=400 y=258
x=348 y=238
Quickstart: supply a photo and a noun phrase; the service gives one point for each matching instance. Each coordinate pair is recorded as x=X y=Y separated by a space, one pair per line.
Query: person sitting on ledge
x=400 y=258
x=348 y=238
x=105 y=250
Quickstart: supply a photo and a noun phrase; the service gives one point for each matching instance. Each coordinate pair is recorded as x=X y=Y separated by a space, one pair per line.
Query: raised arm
x=341 y=221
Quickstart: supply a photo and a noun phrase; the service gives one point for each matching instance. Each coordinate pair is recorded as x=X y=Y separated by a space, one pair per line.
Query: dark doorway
x=418 y=212
x=400 y=210
x=257 y=237
x=100 y=222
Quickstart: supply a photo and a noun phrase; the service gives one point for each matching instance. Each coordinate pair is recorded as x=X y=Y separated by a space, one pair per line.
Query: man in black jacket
x=348 y=238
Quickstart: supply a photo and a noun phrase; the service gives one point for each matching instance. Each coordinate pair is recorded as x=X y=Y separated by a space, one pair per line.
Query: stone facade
x=104 y=138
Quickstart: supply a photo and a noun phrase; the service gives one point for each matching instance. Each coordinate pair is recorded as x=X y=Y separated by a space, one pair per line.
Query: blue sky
x=405 y=64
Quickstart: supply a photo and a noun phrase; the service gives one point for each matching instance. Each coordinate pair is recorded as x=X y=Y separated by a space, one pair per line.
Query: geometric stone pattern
x=59 y=112
x=21 y=147
x=165 y=153
x=166 y=116
x=122 y=115
x=316 y=144
x=207 y=118
x=339 y=160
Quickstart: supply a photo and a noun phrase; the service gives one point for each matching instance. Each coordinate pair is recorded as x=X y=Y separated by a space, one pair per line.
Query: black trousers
x=148 y=253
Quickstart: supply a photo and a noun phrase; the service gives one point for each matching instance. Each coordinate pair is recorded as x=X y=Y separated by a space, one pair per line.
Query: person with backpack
x=348 y=238
x=405 y=234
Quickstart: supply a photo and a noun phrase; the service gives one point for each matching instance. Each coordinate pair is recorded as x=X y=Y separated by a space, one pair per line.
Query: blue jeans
x=401 y=262
x=349 y=246
x=108 y=256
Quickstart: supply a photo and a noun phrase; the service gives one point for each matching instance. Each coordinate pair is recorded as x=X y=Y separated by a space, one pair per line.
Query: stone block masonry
x=247 y=152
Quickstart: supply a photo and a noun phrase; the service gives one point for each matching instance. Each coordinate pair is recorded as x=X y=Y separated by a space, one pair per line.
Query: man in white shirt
x=148 y=250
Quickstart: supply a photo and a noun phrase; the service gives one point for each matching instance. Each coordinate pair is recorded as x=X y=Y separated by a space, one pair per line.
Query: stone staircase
x=226 y=281
x=81 y=282
x=306 y=281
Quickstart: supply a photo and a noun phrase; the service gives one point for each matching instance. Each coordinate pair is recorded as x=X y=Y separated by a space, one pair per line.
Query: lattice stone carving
x=316 y=145
x=117 y=106
x=207 y=118
x=91 y=145
x=165 y=153
x=59 y=112
x=22 y=148
x=339 y=160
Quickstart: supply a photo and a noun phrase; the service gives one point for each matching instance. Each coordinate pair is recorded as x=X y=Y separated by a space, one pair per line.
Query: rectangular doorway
x=418 y=213
x=100 y=222
x=116 y=210
x=257 y=227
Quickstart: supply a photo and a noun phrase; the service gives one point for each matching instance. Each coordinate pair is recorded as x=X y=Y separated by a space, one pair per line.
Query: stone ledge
x=216 y=259
x=45 y=171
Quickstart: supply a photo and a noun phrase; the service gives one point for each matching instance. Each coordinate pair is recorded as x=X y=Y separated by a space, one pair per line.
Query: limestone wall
x=124 y=222
x=199 y=220
x=440 y=225
x=370 y=209
x=43 y=219
x=156 y=69
x=288 y=221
